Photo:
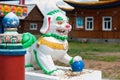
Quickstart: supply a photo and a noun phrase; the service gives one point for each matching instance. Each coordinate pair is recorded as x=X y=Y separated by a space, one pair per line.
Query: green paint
x=59 y=18
x=28 y=65
x=28 y=39
x=71 y=61
x=53 y=12
x=41 y=66
x=63 y=38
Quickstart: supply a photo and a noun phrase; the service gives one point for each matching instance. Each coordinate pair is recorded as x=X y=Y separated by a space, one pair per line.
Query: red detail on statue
x=49 y=18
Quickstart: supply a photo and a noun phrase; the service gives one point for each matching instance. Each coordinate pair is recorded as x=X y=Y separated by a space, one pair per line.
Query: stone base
x=69 y=75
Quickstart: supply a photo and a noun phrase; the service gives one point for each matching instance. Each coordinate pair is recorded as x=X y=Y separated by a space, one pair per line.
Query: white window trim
x=103 y=21
x=86 y=23
x=33 y=28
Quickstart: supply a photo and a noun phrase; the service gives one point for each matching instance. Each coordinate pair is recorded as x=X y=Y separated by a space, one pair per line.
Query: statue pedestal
x=84 y=75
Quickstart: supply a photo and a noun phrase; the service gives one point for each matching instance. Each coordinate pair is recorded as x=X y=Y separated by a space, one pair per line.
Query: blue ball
x=10 y=21
x=77 y=66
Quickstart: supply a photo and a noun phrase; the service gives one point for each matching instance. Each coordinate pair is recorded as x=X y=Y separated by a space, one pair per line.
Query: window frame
x=33 y=28
x=103 y=23
x=86 y=21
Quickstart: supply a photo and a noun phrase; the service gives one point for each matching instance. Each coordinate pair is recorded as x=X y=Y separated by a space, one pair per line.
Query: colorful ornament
x=25 y=11
x=19 y=11
x=10 y=20
x=6 y=9
x=13 y=9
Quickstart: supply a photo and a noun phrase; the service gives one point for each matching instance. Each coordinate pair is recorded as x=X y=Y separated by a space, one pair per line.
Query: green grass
x=91 y=51
x=94 y=47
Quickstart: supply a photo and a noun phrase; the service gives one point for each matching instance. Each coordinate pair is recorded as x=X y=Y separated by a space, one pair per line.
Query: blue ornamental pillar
x=11 y=50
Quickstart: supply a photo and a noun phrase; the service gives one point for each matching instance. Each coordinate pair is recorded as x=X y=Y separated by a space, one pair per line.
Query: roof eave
x=93 y=3
x=66 y=9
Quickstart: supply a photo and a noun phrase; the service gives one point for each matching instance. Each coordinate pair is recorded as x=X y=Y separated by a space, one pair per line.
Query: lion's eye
x=59 y=22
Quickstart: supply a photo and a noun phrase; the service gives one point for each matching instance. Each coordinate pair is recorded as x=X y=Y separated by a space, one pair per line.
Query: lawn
x=93 y=47
x=94 y=51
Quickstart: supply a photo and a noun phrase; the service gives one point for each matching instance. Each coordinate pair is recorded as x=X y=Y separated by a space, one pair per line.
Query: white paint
x=88 y=75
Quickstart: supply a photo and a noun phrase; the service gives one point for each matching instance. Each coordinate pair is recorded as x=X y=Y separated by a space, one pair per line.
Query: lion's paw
x=77 y=58
x=58 y=73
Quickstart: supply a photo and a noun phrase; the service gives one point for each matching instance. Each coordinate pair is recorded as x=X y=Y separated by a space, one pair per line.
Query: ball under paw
x=77 y=66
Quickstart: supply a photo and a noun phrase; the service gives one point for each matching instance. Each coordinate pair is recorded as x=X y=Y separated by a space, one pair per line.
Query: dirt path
x=109 y=69
x=109 y=53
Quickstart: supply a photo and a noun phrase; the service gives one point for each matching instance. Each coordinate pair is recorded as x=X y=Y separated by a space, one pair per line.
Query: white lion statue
x=51 y=46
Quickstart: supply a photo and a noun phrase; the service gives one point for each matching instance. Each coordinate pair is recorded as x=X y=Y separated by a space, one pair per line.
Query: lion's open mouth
x=62 y=31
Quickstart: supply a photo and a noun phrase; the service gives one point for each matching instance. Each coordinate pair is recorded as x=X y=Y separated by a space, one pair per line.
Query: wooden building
x=33 y=22
x=95 y=21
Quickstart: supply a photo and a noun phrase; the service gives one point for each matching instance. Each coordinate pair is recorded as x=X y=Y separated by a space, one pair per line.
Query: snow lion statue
x=51 y=46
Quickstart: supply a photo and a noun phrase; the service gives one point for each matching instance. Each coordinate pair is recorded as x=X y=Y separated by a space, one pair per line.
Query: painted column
x=11 y=50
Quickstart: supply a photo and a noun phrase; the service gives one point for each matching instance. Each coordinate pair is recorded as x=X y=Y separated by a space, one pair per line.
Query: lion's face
x=57 y=24
x=60 y=25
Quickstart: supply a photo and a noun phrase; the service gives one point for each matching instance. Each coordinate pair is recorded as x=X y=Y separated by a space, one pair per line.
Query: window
x=79 y=22
x=107 y=23
x=89 y=23
x=33 y=26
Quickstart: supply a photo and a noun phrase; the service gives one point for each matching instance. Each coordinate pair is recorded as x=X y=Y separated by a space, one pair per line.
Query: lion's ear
x=46 y=25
